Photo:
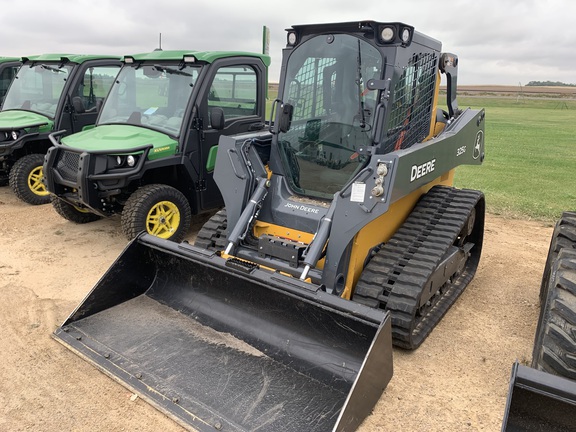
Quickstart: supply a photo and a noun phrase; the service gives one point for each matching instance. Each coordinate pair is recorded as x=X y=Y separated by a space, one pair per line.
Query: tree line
x=549 y=84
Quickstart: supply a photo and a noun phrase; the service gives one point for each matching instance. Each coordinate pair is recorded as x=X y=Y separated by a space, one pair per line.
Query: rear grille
x=413 y=98
x=67 y=165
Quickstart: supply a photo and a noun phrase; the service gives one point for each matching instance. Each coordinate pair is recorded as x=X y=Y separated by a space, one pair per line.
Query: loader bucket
x=221 y=348
x=539 y=401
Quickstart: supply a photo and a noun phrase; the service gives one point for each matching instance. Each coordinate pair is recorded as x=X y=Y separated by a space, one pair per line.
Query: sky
x=498 y=42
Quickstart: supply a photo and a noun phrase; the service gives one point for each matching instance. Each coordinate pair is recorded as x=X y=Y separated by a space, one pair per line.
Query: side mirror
x=285 y=117
x=217 y=119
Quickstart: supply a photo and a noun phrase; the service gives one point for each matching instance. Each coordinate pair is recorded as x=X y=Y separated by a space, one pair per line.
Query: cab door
x=233 y=101
x=87 y=94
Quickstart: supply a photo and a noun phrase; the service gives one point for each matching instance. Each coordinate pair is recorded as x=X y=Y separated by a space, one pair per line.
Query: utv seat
x=79 y=108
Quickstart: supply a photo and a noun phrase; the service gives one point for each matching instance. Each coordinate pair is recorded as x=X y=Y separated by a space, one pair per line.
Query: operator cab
x=333 y=112
x=349 y=99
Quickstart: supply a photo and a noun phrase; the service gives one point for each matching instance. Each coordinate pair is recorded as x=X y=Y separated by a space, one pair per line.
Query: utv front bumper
x=88 y=178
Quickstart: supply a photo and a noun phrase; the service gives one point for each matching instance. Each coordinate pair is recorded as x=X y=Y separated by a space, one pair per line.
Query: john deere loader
x=342 y=235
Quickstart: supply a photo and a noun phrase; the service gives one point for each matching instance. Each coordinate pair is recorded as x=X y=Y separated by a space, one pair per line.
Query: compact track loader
x=341 y=234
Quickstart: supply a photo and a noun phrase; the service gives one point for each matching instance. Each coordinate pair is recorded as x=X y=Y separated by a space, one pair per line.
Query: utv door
x=86 y=95
x=7 y=73
x=234 y=101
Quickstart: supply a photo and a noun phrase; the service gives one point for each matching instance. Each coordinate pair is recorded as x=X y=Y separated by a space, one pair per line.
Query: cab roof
x=74 y=58
x=9 y=59
x=202 y=56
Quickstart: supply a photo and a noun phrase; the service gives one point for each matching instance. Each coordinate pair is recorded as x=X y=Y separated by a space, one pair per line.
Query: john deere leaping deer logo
x=478 y=144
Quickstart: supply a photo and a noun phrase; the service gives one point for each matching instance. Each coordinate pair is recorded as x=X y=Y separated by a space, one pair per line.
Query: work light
x=387 y=34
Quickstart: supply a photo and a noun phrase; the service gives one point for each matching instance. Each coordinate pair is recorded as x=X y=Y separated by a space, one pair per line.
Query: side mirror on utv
x=217 y=118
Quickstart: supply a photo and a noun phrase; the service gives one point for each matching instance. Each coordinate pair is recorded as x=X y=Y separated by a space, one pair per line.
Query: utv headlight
x=14 y=135
x=119 y=160
x=131 y=160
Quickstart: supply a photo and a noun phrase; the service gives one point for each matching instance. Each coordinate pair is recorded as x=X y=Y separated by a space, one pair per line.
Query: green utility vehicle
x=8 y=68
x=50 y=92
x=151 y=155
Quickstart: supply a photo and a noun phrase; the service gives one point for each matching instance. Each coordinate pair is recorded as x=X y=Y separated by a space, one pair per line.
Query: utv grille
x=67 y=165
x=411 y=105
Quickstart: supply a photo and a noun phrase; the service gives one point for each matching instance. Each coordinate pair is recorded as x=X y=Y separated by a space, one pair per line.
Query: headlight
x=121 y=161
x=292 y=38
x=387 y=34
x=14 y=135
x=405 y=35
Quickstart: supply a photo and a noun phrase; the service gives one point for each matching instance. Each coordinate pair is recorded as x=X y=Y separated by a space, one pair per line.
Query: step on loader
x=543 y=397
x=342 y=235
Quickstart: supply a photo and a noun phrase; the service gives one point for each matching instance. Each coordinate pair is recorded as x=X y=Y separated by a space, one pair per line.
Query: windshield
x=333 y=112
x=154 y=96
x=38 y=88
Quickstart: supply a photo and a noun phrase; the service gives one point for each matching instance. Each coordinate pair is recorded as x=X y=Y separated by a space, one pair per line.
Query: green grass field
x=530 y=166
x=530 y=157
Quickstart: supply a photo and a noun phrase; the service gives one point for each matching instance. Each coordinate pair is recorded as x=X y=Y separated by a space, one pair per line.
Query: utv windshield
x=153 y=96
x=333 y=112
x=38 y=88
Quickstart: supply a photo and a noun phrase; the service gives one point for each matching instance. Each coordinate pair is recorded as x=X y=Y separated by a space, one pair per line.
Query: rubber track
x=212 y=235
x=396 y=276
x=555 y=341
x=564 y=236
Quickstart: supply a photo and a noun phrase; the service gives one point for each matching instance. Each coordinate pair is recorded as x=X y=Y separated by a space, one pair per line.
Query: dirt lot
x=457 y=381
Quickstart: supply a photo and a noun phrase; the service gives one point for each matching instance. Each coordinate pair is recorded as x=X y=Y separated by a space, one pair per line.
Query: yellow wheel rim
x=163 y=219
x=81 y=209
x=35 y=182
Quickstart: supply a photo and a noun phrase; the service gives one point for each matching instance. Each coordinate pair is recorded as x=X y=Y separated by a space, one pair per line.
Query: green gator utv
x=50 y=92
x=342 y=235
x=151 y=155
x=8 y=68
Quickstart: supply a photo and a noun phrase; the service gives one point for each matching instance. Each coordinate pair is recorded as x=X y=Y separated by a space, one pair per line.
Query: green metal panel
x=211 y=162
x=74 y=58
x=15 y=119
x=204 y=56
x=9 y=59
x=122 y=137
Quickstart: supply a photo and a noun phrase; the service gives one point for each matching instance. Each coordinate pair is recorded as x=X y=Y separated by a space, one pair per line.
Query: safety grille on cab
x=67 y=165
x=411 y=107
